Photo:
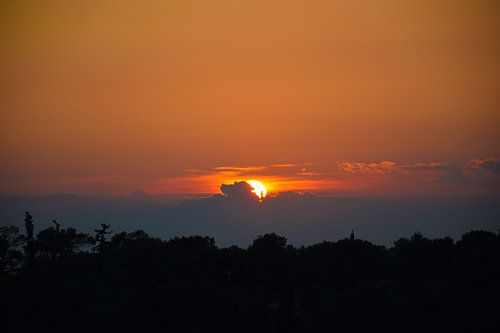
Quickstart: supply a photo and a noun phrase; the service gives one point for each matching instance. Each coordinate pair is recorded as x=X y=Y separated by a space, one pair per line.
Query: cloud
x=451 y=173
x=290 y=165
x=435 y=171
x=238 y=190
x=358 y=178
x=439 y=171
x=283 y=165
x=375 y=168
x=426 y=166
x=491 y=164
x=238 y=168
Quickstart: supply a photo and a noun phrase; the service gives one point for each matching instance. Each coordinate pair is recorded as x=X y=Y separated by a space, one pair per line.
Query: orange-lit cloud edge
x=474 y=177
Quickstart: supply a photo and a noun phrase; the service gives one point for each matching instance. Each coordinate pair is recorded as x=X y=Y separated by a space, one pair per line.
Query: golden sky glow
x=103 y=96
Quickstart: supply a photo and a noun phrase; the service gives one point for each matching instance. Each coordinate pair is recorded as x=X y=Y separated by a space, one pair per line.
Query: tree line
x=61 y=280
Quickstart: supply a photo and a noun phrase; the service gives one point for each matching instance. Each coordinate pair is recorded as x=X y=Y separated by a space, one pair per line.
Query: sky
x=358 y=98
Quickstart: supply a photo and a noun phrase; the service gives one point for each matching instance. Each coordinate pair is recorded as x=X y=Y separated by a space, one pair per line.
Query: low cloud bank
x=236 y=216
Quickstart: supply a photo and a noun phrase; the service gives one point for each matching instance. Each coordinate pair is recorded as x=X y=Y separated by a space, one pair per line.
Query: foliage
x=100 y=238
x=138 y=283
x=10 y=255
x=29 y=248
x=56 y=243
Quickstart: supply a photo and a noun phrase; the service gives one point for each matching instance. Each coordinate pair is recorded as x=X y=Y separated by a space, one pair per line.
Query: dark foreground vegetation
x=60 y=280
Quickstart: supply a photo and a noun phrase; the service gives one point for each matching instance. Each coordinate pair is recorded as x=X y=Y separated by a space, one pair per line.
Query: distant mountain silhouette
x=236 y=217
x=139 y=197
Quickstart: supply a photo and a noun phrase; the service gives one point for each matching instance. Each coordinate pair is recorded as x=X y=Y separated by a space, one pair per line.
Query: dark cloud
x=238 y=190
x=440 y=171
x=491 y=164
x=437 y=171
x=452 y=174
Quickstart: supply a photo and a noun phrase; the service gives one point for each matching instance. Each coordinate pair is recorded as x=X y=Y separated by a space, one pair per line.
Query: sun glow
x=258 y=188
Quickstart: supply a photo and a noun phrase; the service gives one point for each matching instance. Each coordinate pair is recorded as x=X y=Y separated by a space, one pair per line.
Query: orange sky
x=101 y=96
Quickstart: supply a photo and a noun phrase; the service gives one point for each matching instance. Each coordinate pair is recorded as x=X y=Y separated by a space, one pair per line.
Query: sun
x=258 y=188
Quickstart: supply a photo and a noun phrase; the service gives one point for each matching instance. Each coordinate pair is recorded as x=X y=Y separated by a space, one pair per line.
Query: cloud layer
x=384 y=178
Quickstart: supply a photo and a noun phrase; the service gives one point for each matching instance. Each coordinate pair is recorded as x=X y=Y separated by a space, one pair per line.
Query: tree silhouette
x=138 y=283
x=29 y=248
x=270 y=262
x=57 y=225
x=53 y=243
x=10 y=256
x=100 y=238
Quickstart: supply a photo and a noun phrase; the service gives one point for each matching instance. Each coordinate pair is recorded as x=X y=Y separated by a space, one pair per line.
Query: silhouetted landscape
x=61 y=280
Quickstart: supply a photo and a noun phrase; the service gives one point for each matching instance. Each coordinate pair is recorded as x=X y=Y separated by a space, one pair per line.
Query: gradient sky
x=101 y=97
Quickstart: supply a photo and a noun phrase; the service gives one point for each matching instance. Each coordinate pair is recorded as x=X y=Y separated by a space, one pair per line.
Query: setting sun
x=258 y=188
